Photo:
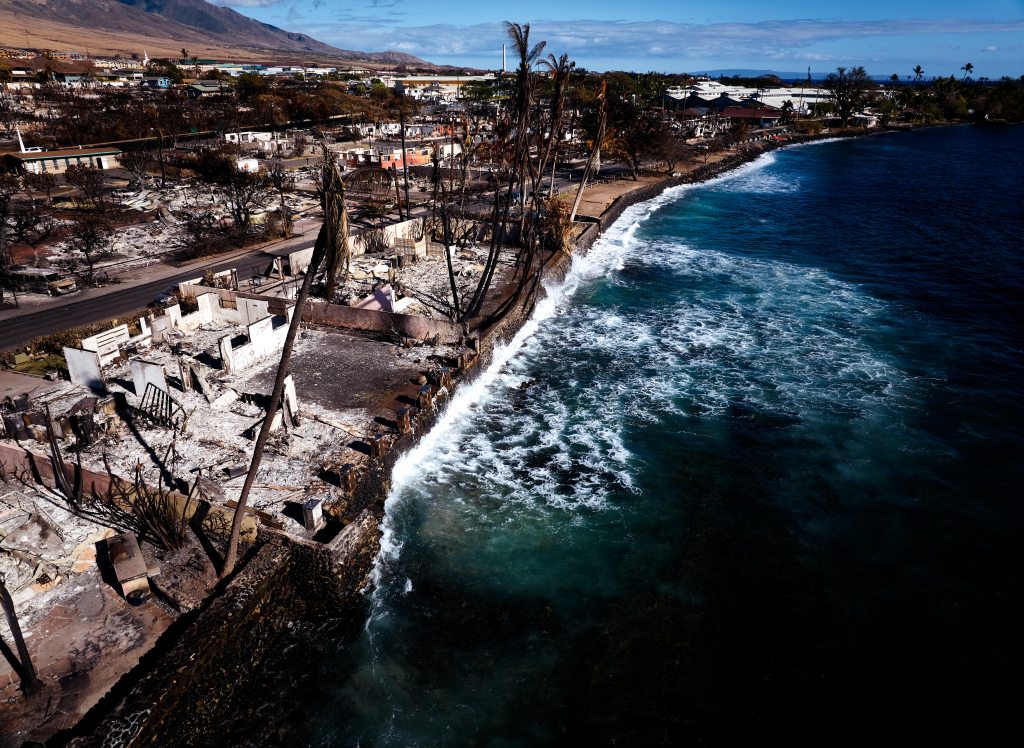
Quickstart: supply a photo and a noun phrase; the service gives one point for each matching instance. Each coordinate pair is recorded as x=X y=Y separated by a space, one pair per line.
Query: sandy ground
x=13 y=384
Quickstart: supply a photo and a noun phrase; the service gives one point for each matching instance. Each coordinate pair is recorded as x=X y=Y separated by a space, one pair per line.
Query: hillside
x=163 y=28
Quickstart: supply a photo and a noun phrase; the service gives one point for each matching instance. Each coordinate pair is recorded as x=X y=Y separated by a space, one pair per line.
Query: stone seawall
x=187 y=685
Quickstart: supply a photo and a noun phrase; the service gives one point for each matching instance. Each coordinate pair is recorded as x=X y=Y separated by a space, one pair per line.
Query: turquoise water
x=752 y=473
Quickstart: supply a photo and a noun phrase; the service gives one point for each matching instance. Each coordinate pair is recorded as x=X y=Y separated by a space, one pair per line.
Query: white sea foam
x=506 y=457
x=542 y=430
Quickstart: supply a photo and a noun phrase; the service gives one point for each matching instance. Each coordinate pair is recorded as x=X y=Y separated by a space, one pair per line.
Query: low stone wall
x=385 y=323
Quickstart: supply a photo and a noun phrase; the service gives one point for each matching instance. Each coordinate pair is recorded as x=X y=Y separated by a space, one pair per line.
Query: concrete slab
x=13 y=384
x=81 y=647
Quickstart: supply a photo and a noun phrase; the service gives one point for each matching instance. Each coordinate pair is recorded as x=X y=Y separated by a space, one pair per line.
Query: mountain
x=162 y=27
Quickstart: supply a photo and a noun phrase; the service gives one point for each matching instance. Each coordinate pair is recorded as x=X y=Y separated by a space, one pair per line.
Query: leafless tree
x=151 y=510
x=595 y=152
x=90 y=181
x=246 y=193
x=29 y=225
x=10 y=185
x=8 y=112
x=201 y=234
x=138 y=162
x=282 y=181
x=89 y=240
x=43 y=182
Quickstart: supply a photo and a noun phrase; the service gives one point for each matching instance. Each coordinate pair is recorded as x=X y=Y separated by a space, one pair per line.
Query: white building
x=803 y=98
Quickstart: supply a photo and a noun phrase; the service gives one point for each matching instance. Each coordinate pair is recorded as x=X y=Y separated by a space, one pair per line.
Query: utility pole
x=405 y=159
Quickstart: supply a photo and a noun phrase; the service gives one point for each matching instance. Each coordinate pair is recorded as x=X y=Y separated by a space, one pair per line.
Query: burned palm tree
x=332 y=251
x=22 y=664
x=595 y=151
x=337 y=250
x=518 y=163
x=561 y=69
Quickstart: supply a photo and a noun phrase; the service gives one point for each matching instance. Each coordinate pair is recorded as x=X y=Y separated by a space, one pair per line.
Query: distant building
x=208 y=88
x=802 y=98
x=389 y=155
x=156 y=81
x=267 y=142
x=763 y=116
x=72 y=73
x=434 y=87
x=57 y=161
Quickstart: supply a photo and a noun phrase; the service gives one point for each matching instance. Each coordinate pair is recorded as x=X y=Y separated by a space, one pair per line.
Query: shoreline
x=283 y=578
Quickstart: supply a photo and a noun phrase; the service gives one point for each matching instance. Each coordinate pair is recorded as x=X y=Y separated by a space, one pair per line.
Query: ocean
x=751 y=473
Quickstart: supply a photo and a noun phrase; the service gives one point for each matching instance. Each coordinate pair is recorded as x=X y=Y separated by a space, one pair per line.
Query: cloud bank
x=624 y=40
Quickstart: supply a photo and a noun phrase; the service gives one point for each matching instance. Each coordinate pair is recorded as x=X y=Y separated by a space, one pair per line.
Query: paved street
x=137 y=289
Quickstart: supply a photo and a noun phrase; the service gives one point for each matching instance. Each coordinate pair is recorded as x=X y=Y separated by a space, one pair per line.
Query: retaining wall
x=386 y=323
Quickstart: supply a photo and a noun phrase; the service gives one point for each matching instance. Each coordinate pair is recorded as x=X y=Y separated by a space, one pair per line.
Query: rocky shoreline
x=203 y=669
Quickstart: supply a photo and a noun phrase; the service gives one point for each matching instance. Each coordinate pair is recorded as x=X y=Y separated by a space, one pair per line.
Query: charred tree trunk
x=326 y=250
x=594 y=155
x=30 y=682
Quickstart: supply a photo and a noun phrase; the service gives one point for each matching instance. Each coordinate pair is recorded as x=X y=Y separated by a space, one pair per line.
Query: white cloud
x=628 y=39
x=990 y=48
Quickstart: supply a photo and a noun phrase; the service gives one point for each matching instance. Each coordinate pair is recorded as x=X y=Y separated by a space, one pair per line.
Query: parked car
x=165 y=299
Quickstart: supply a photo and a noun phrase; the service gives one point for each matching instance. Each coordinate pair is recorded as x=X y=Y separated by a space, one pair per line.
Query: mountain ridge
x=168 y=25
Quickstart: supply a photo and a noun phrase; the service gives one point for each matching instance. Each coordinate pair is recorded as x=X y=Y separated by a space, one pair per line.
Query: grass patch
x=42 y=365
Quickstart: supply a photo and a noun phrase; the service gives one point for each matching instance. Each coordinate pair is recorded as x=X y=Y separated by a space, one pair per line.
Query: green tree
x=848 y=91
x=251 y=85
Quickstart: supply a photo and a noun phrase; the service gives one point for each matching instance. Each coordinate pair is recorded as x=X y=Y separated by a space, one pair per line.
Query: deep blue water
x=753 y=473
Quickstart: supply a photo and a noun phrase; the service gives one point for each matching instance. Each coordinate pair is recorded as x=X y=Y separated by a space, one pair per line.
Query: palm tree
x=561 y=68
x=595 y=153
x=330 y=243
x=918 y=73
x=894 y=78
x=520 y=152
x=968 y=69
x=184 y=54
x=520 y=36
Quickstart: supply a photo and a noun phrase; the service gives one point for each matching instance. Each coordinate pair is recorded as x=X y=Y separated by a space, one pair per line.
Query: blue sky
x=678 y=36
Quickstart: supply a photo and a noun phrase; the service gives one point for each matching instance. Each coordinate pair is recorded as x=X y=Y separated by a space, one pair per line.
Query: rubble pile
x=423 y=279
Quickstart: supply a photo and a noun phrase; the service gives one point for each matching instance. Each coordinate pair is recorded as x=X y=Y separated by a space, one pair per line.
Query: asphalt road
x=18 y=331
